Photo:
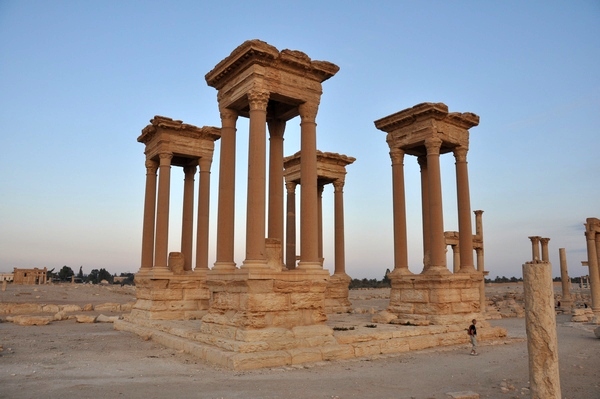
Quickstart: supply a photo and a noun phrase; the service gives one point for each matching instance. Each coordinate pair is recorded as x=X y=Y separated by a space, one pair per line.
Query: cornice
x=182 y=129
x=438 y=111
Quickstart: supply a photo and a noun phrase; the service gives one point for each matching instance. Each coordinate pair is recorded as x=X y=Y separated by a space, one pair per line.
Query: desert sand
x=66 y=359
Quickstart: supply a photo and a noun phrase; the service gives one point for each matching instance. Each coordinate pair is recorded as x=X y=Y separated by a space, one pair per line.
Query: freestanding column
x=480 y=258
x=545 y=256
x=399 y=212
x=202 y=228
x=309 y=245
x=162 y=213
x=465 y=231
x=590 y=236
x=456 y=258
x=340 y=257
x=320 y=188
x=275 y=227
x=436 y=225
x=255 y=211
x=425 y=212
x=566 y=302
x=187 y=219
x=290 y=241
x=540 y=324
x=226 y=207
x=149 y=216
x=535 y=247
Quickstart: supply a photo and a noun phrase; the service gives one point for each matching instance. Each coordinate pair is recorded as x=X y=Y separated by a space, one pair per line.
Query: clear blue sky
x=80 y=79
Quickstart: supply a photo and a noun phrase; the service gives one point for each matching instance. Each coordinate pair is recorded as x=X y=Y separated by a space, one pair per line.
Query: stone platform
x=341 y=337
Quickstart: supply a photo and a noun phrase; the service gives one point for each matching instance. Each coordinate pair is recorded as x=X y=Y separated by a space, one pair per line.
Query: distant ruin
x=30 y=276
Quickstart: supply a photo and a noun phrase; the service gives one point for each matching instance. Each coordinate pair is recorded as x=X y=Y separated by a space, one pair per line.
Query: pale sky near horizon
x=79 y=80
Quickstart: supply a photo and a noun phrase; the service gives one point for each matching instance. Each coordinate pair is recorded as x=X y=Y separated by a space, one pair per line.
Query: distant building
x=30 y=276
x=6 y=277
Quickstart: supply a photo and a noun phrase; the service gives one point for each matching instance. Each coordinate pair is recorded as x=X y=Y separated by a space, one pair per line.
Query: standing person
x=473 y=335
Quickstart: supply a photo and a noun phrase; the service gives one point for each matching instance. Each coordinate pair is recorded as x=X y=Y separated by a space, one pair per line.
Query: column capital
x=338 y=185
x=228 y=116
x=544 y=240
x=165 y=158
x=258 y=99
x=397 y=156
x=291 y=186
x=433 y=145
x=151 y=166
x=308 y=112
x=189 y=169
x=460 y=153
x=590 y=235
x=535 y=239
x=478 y=212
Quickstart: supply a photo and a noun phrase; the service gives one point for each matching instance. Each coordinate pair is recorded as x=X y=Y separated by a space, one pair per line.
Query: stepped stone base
x=337 y=293
x=171 y=296
x=440 y=299
x=277 y=347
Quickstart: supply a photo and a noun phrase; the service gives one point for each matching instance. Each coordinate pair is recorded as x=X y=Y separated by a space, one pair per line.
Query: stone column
x=540 y=324
x=275 y=226
x=256 y=201
x=594 y=277
x=320 y=188
x=290 y=247
x=226 y=206
x=465 y=231
x=340 y=256
x=598 y=252
x=566 y=302
x=535 y=247
x=399 y=212
x=149 y=216
x=202 y=229
x=162 y=213
x=455 y=258
x=545 y=256
x=187 y=220
x=436 y=223
x=309 y=245
x=480 y=258
x=425 y=212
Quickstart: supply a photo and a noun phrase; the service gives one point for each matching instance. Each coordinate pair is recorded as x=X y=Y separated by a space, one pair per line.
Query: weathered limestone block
x=108 y=307
x=311 y=331
x=196 y=294
x=182 y=305
x=28 y=320
x=309 y=300
x=264 y=334
x=383 y=317
x=159 y=294
x=337 y=352
x=50 y=308
x=433 y=308
x=176 y=262
x=415 y=296
x=249 y=361
x=126 y=307
x=422 y=342
x=446 y=295
x=19 y=308
x=70 y=308
x=267 y=302
x=463 y=395
x=107 y=319
x=394 y=345
x=305 y=355
x=579 y=319
x=369 y=348
x=226 y=301
x=469 y=294
x=82 y=318
x=88 y=307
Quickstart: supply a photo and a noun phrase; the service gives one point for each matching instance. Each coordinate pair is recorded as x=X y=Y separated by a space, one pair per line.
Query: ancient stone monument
x=592 y=235
x=436 y=295
x=30 y=276
x=167 y=285
x=566 y=301
x=331 y=169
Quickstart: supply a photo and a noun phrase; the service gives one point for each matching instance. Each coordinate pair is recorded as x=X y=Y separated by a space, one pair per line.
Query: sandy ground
x=69 y=360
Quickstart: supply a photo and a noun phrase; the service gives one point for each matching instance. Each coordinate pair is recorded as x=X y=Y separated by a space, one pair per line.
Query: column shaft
x=565 y=280
x=309 y=245
x=399 y=212
x=202 y=228
x=545 y=256
x=149 y=216
x=162 y=212
x=465 y=230
x=340 y=256
x=226 y=206
x=275 y=226
x=425 y=212
x=436 y=222
x=187 y=219
x=594 y=271
x=535 y=247
x=256 y=201
x=320 y=188
x=290 y=247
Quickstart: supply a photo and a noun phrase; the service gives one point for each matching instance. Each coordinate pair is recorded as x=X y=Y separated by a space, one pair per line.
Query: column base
x=224 y=266
x=310 y=265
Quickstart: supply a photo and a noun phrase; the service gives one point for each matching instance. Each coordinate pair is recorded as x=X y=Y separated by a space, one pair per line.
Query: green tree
x=93 y=276
x=65 y=273
x=80 y=274
x=104 y=275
